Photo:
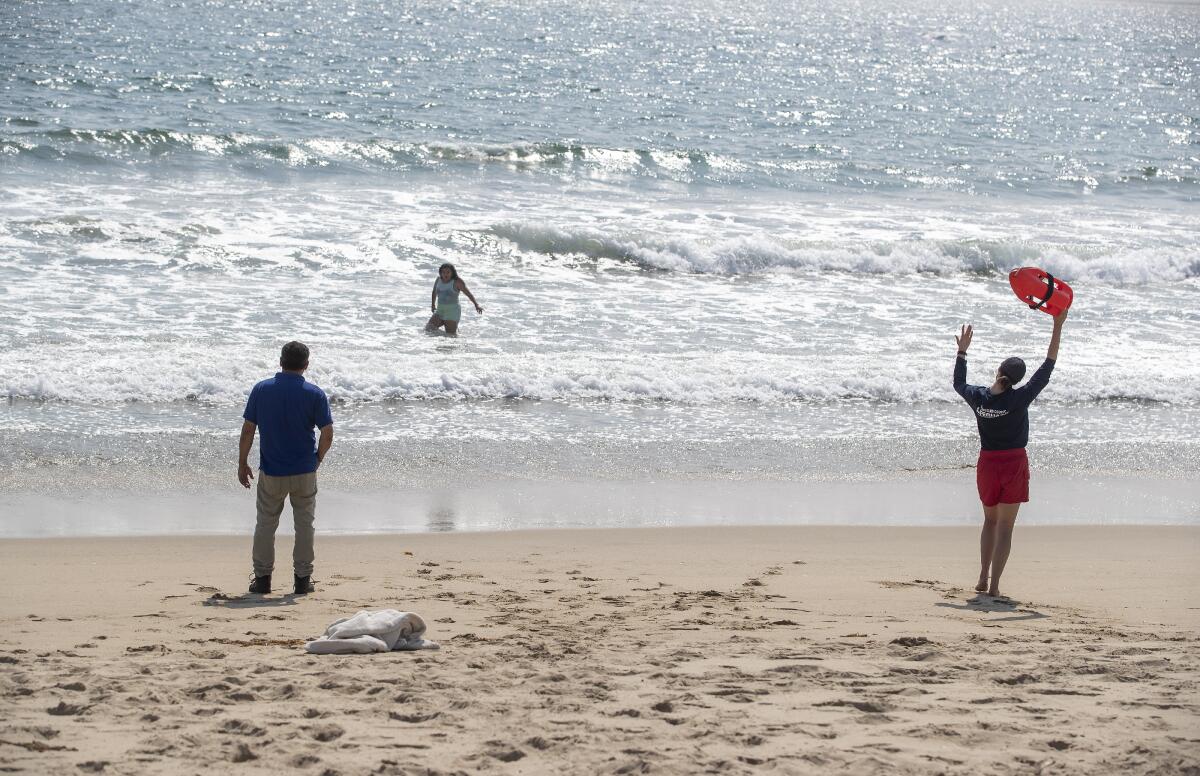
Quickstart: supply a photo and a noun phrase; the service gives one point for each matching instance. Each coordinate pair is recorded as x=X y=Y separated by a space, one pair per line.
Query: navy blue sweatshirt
x=1003 y=419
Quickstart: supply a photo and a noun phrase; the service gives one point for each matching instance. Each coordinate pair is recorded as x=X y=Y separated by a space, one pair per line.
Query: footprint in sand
x=243 y=754
x=864 y=706
x=1018 y=679
x=892 y=584
x=281 y=692
x=209 y=654
x=506 y=755
x=413 y=718
x=240 y=727
x=326 y=733
x=147 y=649
x=64 y=709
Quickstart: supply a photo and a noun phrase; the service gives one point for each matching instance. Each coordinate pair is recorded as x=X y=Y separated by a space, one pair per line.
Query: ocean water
x=715 y=242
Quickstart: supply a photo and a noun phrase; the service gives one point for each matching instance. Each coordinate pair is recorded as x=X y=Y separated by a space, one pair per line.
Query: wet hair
x=1012 y=371
x=449 y=266
x=294 y=356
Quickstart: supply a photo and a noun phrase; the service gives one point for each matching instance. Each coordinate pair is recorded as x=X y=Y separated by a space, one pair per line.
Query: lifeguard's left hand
x=479 y=309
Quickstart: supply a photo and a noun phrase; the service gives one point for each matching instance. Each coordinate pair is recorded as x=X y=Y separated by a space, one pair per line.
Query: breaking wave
x=748 y=255
x=622 y=386
x=101 y=146
x=818 y=164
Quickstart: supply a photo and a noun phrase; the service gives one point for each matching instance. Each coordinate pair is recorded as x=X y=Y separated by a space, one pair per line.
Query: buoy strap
x=1049 y=293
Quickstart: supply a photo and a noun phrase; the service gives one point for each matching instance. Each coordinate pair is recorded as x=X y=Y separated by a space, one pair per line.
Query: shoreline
x=671 y=650
x=942 y=498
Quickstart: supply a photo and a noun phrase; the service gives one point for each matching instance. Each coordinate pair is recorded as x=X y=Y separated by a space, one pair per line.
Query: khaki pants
x=302 y=490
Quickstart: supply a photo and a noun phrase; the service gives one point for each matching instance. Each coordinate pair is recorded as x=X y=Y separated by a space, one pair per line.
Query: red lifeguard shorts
x=1002 y=477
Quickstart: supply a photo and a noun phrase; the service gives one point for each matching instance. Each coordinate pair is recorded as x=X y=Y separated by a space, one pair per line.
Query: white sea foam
x=368 y=379
x=109 y=299
x=746 y=255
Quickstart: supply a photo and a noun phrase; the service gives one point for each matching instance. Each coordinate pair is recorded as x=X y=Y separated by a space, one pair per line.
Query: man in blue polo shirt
x=285 y=409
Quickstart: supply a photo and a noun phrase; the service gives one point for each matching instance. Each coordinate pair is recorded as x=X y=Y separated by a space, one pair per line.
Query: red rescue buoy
x=1040 y=290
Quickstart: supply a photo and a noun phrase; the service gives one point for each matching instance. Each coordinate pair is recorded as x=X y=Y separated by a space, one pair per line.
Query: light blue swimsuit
x=447 y=300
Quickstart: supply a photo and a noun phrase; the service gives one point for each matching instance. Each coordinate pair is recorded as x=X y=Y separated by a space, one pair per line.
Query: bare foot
x=982 y=585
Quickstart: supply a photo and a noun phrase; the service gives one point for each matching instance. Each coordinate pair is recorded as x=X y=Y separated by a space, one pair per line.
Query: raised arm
x=463 y=287
x=963 y=340
x=1041 y=378
x=1059 y=320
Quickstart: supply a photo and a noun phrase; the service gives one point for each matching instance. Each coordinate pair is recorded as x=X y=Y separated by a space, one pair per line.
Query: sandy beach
x=731 y=650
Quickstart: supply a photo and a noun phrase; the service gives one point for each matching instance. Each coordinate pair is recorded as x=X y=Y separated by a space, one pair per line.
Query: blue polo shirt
x=286 y=408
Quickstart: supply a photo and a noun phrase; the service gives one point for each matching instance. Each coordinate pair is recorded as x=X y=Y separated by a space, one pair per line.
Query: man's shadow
x=250 y=601
x=987 y=603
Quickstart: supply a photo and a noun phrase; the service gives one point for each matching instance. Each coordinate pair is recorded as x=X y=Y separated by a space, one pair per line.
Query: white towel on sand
x=381 y=631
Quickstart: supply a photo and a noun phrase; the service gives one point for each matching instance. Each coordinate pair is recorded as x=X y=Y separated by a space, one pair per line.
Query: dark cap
x=1014 y=369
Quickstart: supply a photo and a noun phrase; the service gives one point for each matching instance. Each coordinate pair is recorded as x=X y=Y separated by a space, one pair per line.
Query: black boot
x=261 y=584
x=304 y=585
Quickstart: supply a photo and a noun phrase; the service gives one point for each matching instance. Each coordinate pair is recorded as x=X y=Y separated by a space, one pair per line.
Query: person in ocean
x=444 y=303
x=1002 y=472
